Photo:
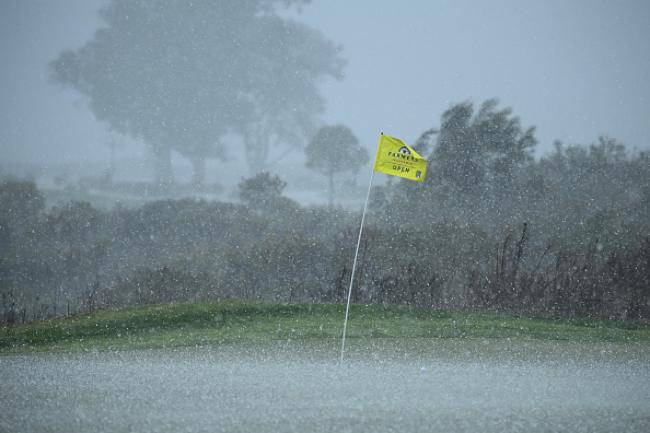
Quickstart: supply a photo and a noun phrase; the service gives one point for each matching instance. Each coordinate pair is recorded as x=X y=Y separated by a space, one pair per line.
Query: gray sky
x=574 y=69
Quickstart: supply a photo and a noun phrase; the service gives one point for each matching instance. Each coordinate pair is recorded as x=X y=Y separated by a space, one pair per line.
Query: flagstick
x=354 y=265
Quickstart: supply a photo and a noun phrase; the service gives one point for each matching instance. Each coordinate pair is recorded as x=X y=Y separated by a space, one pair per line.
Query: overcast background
x=574 y=69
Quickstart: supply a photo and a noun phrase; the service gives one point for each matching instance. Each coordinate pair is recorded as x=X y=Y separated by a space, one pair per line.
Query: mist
x=293 y=215
x=574 y=71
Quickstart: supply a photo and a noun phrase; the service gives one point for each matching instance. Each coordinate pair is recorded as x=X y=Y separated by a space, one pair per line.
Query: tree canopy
x=261 y=190
x=474 y=147
x=181 y=75
x=335 y=149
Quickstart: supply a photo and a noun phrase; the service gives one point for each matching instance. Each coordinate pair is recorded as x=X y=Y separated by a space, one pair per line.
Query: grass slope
x=191 y=324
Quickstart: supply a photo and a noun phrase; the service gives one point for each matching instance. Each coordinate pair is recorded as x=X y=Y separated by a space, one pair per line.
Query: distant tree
x=180 y=75
x=21 y=208
x=591 y=185
x=335 y=149
x=475 y=147
x=21 y=204
x=288 y=60
x=261 y=190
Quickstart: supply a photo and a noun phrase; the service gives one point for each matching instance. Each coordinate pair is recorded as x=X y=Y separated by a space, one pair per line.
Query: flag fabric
x=396 y=158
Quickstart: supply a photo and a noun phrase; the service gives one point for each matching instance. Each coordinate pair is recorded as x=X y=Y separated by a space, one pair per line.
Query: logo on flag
x=396 y=158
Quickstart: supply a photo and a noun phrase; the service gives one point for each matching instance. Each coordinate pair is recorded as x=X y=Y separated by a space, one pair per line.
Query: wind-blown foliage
x=568 y=234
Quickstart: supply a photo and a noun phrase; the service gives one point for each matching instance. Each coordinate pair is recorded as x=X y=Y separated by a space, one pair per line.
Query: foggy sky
x=574 y=69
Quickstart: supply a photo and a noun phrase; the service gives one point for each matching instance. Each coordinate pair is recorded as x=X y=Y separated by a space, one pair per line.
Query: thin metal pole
x=354 y=265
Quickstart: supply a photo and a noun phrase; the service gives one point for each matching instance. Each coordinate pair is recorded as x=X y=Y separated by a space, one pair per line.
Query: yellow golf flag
x=396 y=158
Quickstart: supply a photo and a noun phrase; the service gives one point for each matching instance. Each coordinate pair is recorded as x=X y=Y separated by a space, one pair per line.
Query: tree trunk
x=110 y=175
x=331 y=189
x=256 y=143
x=198 y=168
x=163 y=172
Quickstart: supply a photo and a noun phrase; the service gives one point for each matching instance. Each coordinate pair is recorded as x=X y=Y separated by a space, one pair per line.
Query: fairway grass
x=212 y=324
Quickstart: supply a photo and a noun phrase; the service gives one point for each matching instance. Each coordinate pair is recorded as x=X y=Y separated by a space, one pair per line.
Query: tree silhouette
x=180 y=75
x=332 y=150
x=473 y=147
x=261 y=190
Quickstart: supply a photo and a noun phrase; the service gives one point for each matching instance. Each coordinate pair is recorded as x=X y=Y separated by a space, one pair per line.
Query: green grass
x=191 y=324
